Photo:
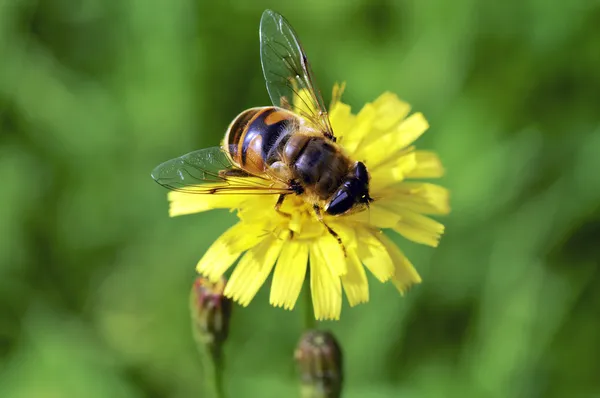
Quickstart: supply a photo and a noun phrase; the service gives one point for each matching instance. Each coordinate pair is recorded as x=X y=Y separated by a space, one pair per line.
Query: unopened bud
x=211 y=311
x=319 y=360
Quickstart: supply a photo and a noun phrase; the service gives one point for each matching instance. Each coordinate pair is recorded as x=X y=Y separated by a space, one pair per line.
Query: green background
x=94 y=276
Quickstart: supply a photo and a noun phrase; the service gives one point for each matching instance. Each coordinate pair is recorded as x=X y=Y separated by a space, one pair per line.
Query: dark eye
x=360 y=173
x=341 y=202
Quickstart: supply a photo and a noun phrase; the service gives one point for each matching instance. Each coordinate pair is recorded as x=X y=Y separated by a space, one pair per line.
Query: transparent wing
x=288 y=74
x=210 y=171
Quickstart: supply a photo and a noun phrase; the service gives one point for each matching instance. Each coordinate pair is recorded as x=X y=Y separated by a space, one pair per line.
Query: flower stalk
x=210 y=313
x=309 y=317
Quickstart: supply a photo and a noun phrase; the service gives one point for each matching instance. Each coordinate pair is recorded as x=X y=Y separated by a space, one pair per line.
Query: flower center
x=302 y=220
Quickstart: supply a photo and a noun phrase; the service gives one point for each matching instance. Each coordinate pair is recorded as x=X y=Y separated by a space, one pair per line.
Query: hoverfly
x=279 y=149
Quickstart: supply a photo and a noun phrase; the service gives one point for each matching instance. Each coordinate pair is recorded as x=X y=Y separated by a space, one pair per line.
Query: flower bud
x=211 y=311
x=319 y=360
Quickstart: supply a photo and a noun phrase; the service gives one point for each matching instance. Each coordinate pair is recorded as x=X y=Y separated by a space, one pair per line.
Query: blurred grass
x=94 y=277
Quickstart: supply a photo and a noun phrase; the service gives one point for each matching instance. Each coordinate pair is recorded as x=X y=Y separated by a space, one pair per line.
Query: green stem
x=309 y=315
x=213 y=369
x=308 y=391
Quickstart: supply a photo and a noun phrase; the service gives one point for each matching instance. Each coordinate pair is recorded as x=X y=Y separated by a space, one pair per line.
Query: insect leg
x=331 y=231
x=278 y=206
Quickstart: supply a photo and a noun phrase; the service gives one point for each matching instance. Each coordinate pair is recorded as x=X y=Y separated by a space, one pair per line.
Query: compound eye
x=341 y=203
x=360 y=173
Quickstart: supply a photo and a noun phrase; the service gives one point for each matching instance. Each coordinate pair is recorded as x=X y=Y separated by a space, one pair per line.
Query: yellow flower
x=380 y=135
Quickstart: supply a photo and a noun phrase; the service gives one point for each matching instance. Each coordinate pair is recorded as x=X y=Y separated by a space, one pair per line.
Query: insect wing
x=211 y=171
x=288 y=74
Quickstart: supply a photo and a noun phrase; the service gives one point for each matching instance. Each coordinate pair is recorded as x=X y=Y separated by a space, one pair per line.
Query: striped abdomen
x=257 y=136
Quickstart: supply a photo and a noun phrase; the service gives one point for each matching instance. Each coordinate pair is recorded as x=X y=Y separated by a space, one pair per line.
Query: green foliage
x=94 y=276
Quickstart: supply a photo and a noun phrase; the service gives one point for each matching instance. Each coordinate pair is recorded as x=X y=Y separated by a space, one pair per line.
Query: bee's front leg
x=278 y=206
x=331 y=231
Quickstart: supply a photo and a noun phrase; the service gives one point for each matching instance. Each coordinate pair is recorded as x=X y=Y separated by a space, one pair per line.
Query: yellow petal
x=428 y=165
x=260 y=210
x=387 y=146
x=345 y=230
x=355 y=281
x=419 y=228
x=342 y=120
x=332 y=253
x=361 y=127
x=186 y=203
x=374 y=254
x=390 y=111
x=419 y=197
x=336 y=95
x=252 y=270
x=392 y=172
x=223 y=252
x=289 y=275
x=405 y=274
x=375 y=215
x=325 y=287
x=373 y=120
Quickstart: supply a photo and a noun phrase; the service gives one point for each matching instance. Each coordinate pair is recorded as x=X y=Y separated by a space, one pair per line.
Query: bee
x=278 y=149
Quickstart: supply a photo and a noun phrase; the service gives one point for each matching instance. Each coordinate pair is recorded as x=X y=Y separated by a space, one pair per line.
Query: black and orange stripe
x=256 y=135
